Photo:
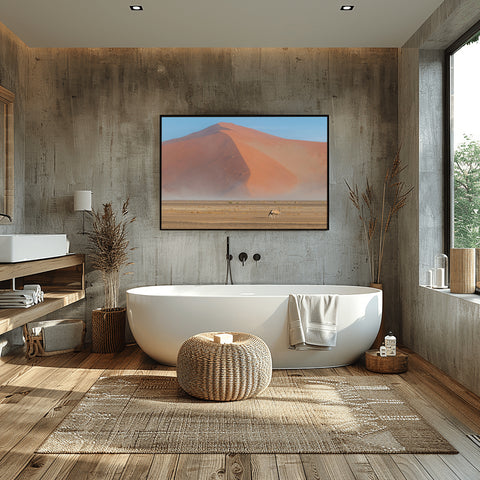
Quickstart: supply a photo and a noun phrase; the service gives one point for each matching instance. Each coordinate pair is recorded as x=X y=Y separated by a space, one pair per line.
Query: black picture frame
x=218 y=172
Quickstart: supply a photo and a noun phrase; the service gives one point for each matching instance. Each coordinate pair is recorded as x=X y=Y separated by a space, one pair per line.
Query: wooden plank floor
x=36 y=395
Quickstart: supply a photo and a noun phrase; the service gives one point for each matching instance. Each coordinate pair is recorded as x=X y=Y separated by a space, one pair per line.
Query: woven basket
x=108 y=330
x=224 y=372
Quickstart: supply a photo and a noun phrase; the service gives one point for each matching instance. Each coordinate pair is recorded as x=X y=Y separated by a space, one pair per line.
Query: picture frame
x=244 y=172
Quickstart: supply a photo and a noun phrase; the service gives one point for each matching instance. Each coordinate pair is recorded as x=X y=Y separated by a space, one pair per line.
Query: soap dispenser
x=391 y=345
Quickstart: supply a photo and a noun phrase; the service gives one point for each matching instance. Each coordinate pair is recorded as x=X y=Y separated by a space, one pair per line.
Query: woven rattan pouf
x=224 y=372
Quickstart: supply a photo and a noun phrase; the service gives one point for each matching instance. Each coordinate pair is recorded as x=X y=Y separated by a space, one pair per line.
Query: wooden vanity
x=61 y=278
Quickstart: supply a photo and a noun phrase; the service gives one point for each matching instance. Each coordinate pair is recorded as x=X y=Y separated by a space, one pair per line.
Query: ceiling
x=215 y=23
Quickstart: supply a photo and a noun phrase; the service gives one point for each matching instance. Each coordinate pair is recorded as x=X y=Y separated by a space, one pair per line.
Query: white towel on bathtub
x=312 y=321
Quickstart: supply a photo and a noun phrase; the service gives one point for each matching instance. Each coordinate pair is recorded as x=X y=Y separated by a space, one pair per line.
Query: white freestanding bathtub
x=163 y=317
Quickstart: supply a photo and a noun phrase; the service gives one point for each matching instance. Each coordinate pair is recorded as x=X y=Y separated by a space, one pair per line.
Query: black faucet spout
x=6 y=216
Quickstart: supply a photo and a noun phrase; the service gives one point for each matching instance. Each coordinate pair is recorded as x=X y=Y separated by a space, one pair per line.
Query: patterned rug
x=296 y=414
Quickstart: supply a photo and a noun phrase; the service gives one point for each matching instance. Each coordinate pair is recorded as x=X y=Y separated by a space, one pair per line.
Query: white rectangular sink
x=25 y=247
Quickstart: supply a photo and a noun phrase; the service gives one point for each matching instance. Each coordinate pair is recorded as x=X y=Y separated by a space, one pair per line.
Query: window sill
x=467 y=297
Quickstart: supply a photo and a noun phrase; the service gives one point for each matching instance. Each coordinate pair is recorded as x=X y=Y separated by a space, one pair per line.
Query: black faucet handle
x=257 y=257
x=243 y=258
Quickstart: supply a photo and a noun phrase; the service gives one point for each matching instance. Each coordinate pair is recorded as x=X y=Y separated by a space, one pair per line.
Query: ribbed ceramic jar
x=462 y=270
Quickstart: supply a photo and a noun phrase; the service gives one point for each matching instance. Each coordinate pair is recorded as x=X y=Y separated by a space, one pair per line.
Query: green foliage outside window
x=467 y=194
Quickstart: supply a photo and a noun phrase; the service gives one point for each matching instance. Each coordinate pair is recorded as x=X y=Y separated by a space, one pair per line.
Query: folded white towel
x=34 y=287
x=16 y=297
x=36 y=291
x=16 y=302
x=19 y=298
x=312 y=321
x=15 y=293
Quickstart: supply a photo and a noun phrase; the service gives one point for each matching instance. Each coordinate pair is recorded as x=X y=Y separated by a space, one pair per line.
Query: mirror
x=6 y=154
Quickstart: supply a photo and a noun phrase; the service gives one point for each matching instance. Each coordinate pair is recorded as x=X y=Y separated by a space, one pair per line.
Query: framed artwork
x=244 y=172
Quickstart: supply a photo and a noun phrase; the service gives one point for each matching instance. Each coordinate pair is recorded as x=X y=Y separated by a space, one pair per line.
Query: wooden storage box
x=375 y=363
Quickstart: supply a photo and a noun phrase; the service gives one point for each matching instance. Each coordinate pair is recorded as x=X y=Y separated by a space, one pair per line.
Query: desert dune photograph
x=246 y=172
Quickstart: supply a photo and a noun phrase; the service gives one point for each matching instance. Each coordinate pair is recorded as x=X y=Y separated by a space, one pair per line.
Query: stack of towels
x=29 y=296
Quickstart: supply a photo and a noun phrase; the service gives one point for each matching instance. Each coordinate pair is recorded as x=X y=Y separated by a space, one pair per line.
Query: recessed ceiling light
x=136 y=7
x=347 y=7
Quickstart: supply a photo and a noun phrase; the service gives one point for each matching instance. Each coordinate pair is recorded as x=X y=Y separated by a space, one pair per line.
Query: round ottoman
x=224 y=372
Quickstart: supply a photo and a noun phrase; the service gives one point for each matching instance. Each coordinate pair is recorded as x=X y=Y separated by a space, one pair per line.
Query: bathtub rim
x=148 y=290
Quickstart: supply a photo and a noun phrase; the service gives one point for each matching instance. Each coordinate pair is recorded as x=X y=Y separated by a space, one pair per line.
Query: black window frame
x=448 y=153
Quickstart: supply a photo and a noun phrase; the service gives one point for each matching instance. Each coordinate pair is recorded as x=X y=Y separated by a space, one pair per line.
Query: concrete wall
x=93 y=124
x=441 y=327
x=14 y=77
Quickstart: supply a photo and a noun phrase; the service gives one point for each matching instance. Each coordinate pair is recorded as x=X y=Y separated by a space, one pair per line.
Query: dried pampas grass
x=394 y=197
x=109 y=248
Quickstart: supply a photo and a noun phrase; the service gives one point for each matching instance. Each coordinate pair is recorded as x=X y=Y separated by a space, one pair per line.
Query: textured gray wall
x=13 y=75
x=441 y=327
x=93 y=124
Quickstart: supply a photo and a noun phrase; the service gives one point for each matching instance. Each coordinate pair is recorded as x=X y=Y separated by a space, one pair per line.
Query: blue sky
x=296 y=128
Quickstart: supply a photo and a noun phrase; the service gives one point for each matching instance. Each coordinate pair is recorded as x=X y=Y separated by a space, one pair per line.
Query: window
x=463 y=60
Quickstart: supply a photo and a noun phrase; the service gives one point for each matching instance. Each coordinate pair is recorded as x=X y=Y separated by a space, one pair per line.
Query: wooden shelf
x=11 y=318
x=33 y=267
x=61 y=278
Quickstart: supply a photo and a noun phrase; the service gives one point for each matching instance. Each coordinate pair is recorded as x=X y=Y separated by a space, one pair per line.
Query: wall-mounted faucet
x=243 y=258
x=6 y=216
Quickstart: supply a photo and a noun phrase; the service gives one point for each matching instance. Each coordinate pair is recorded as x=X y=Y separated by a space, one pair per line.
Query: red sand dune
x=227 y=161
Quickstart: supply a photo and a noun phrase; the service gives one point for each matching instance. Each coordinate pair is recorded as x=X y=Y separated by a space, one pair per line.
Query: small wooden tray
x=375 y=363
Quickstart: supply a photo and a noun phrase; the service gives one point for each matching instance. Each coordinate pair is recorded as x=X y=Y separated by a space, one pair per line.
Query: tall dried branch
x=399 y=193
x=367 y=199
x=395 y=190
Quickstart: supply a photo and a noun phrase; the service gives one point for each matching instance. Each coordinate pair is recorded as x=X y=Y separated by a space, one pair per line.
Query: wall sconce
x=82 y=201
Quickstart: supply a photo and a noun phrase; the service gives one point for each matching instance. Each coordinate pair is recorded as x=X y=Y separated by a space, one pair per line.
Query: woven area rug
x=296 y=414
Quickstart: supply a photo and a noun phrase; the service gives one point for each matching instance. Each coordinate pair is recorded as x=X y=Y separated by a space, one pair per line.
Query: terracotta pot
x=381 y=332
x=108 y=330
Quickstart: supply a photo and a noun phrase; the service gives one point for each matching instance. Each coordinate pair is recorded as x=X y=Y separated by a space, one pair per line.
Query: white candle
x=223 y=338
x=430 y=278
x=439 y=278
